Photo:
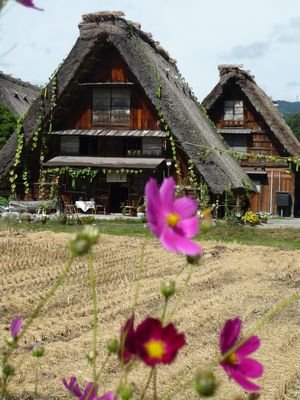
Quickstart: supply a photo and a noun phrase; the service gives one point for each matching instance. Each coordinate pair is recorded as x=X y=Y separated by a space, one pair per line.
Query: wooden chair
x=68 y=207
x=102 y=204
x=132 y=204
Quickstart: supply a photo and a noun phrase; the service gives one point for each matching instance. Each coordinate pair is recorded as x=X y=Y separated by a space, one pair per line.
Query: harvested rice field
x=233 y=280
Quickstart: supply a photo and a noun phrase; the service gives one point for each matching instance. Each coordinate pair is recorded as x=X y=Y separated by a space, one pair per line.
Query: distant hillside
x=288 y=107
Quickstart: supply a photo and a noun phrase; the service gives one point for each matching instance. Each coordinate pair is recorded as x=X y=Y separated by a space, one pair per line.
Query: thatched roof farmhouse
x=249 y=121
x=143 y=67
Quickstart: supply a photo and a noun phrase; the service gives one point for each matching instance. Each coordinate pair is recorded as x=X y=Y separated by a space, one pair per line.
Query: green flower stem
x=147 y=384
x=164 y=310
x=47 y=297
x=36 y=378
x=104 y=364
x=178 y=386
x=140 y=272
x=95 y=317
x=182 y=294
x=155 y=383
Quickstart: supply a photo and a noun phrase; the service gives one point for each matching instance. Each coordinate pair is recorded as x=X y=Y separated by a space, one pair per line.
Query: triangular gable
x=163 y=85
x=231 y=75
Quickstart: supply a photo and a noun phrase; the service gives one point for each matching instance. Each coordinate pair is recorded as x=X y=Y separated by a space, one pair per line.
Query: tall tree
x=7 y=124
x=293 y=121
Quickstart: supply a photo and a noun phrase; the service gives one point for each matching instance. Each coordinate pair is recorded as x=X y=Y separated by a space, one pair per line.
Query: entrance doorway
x=118 y=195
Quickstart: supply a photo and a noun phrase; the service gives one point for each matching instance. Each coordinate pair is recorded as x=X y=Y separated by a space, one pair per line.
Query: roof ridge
x=18 y=81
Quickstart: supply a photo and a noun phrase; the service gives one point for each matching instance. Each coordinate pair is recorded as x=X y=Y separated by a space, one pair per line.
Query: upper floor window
x=233 y=112
x=111 y=106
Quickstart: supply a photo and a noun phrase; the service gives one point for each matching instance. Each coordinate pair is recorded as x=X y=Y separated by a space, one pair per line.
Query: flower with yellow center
x=232 y=359
x=155 y=349
x=172 y=219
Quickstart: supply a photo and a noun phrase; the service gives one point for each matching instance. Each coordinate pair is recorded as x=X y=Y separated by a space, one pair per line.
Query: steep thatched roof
x=262 y=103
x=16 y=94
x=152 y=67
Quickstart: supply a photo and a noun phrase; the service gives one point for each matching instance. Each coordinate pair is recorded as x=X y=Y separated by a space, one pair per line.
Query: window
x=111 y=106
x=233 y=111
x=239 y=143
x=133 y=147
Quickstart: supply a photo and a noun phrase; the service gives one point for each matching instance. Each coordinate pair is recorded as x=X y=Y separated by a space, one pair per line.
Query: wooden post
x=271 y=192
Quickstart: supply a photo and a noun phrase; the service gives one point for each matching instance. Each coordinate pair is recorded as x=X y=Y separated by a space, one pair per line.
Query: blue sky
x=262 y=35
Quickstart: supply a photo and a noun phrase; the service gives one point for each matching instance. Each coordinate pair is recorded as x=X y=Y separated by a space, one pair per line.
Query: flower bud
x=125 y=392
x=167 y=289
x=113 y=346
x=10 y=341
x=38 y=351
x=194 y=260
x=81 y=242
x=8 y=370
x=205 y=384
x=90 y=355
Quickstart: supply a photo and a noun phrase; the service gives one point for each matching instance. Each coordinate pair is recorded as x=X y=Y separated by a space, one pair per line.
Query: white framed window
x=111 y=106
x=233 y=110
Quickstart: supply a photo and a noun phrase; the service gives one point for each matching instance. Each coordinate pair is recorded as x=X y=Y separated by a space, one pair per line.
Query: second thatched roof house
x=116 y=112
x=250 y=123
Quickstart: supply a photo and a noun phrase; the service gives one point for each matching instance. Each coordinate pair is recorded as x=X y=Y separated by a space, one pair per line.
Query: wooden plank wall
x=276 y=180
x=110 y=68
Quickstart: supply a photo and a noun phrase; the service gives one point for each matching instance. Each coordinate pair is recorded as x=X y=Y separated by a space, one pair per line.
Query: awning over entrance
x=110 y=132
x=104 y=162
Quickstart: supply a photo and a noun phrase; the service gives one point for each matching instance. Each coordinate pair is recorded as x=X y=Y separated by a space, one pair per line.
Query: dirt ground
x=233 y=280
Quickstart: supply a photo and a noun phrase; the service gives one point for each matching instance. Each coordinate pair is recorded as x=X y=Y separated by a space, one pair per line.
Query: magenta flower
x=90 y=392
x=172 y=221
x=155 y=343
x=127 y=344
x=237 y=365
x=15 y=327
x=29 y=3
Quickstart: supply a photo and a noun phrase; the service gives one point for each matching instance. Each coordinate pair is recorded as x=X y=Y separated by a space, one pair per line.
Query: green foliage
x=204 y=198
x=293 y=121
x=7 y=124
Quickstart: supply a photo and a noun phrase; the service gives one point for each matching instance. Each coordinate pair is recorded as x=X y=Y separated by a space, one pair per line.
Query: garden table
x=85 y=205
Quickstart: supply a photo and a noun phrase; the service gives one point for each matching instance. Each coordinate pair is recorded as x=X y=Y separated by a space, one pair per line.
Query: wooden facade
x=249 y=131
x=117 y=98
x=110 y=73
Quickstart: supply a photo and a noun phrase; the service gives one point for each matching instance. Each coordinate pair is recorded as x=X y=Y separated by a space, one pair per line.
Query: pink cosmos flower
x=127 y=344
x=90 y=392
x=15 y=326
x=172 y=221
x=155 y=343
x=237 y=365
x=29 y=3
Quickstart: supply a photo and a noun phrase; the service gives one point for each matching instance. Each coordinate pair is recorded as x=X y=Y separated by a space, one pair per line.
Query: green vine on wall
x=18 y=157
x=158 y=95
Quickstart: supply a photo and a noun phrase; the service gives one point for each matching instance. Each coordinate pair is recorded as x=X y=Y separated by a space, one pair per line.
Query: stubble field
x=232 y=280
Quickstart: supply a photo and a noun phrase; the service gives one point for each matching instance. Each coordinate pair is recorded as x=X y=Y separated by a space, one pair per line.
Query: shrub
x=251 y=218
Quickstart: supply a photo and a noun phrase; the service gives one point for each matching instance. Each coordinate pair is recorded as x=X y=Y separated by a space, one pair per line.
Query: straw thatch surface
x=233 y=280
x=152 y=67
x=231 y=75
x=16 y=94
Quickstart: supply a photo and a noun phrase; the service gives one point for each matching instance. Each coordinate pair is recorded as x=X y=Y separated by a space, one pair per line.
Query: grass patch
x=283 y=238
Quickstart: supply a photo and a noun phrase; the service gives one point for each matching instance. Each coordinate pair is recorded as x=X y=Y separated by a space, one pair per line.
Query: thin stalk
x=140 y=272
x=182 y=294
x=178 y=386
x=47 y=297
x=164 y=310
x=147 y=384
x=95 y=317
x=36 y=378
x=155 y=383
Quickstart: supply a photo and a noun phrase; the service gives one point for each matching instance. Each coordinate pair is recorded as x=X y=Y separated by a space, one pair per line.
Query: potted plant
x=25 y=218
x=41 y=219
x=251 y=218
x=263 y=215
